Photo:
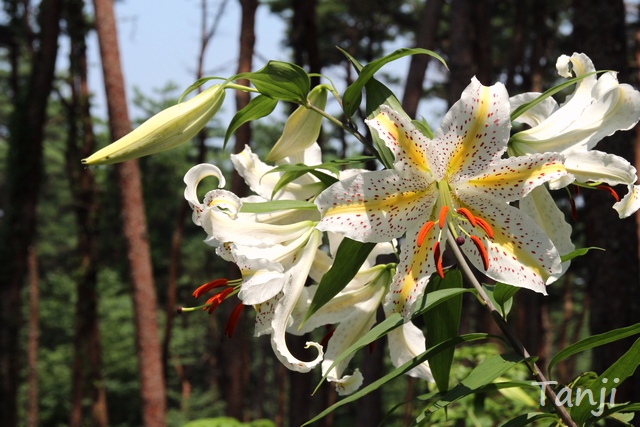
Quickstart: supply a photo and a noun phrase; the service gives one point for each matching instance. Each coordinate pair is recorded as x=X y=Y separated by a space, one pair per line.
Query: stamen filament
x=424 y=231
x=483 y=251
x=468 y=215
x=443 y=216
x=437 y=258
x=485 y=226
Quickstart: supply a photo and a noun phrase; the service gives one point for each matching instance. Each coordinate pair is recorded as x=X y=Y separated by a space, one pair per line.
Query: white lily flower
x=597 y=108
x=458 y=182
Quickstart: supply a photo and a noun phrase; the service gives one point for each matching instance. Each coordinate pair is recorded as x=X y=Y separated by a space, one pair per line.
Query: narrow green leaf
x=578 y=252
x=196 y=85
x=621 y=369
x=594 y=341
x=442 y=323
x=259 y=106
x=526 y=419
x=347 y=261
x=395 y=320
x=353 y=95
x=277 y=205
x=483 y=374
x=280 y=80
x=617 y=409
x=401 y=370
x=293 y=172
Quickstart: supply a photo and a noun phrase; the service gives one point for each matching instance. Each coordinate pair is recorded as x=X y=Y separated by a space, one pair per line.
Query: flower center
x=457 y=221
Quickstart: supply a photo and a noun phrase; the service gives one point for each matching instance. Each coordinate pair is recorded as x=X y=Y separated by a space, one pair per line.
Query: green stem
x=506 y=329
x=349 y=129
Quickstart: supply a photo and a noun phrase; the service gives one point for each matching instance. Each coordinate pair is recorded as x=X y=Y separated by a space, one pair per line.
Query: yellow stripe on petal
x=402 y=138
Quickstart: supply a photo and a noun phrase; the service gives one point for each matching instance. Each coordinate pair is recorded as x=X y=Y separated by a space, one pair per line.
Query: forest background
x=94 y=265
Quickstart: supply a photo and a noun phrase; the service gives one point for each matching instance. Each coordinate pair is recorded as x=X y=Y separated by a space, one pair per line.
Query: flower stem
x=506 y=330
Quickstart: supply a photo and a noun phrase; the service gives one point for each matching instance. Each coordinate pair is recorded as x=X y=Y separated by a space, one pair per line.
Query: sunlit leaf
x=594 y=341
x=353 y=95
x=277 y=205
x=259 y=106
x=483 y=374
x=578 y=252
x=280 y=80
x=401 y=370
x=349 y=258
x=620 y=370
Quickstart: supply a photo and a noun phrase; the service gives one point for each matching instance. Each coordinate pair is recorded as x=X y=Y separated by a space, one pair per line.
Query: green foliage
x=228 y=422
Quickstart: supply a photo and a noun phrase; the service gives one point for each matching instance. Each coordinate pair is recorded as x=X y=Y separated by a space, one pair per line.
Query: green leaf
x=482 y=375
x=578 y=252
x=423 y=127
x=621 y=369
x=526 y=419
x=621 y=409
x=549 y=92
x=347 y=261
x=293 y=172
x=259 y=106
x=353 y=95
x=503 y=296
x=395 y=320
x=442 y=323
x=401 y=370
x=594 y=341
x=280 y=80
x=277 y=205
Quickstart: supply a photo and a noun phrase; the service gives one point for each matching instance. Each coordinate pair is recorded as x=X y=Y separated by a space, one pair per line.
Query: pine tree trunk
x=24 y=175
x=134 y=226
x=33 y=339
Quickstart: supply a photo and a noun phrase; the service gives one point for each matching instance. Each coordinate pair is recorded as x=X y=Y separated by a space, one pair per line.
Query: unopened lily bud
x=302 y=128
x=167 y=129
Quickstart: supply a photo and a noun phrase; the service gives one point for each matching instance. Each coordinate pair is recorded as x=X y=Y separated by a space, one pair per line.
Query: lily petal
x=374 y=206
x=473 y=133
x=405 y=343
x=540 y=206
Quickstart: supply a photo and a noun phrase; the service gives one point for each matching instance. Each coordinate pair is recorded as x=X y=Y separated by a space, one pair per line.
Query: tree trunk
x=460 y=52
x=87 y=361
x=24 y=174
x=599 y=31
x=134 y=226
x=233 y=356
x=425 y=38
x=33 y=339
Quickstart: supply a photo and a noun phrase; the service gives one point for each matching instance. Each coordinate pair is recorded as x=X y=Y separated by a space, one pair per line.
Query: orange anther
x=485 y=226
x=233 y=320
x=443 y=216
x=610 y=191
x=218 y=283
x=467 y=214
x=483 y=251
x=437 y=258
x=213 y=302
x=424 y=231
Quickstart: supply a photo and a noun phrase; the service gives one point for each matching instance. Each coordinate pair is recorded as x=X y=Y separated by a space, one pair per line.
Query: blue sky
x=159 y=44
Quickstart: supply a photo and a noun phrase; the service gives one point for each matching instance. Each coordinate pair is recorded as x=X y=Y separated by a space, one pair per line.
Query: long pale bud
x=302 y=128
x=167 y=129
